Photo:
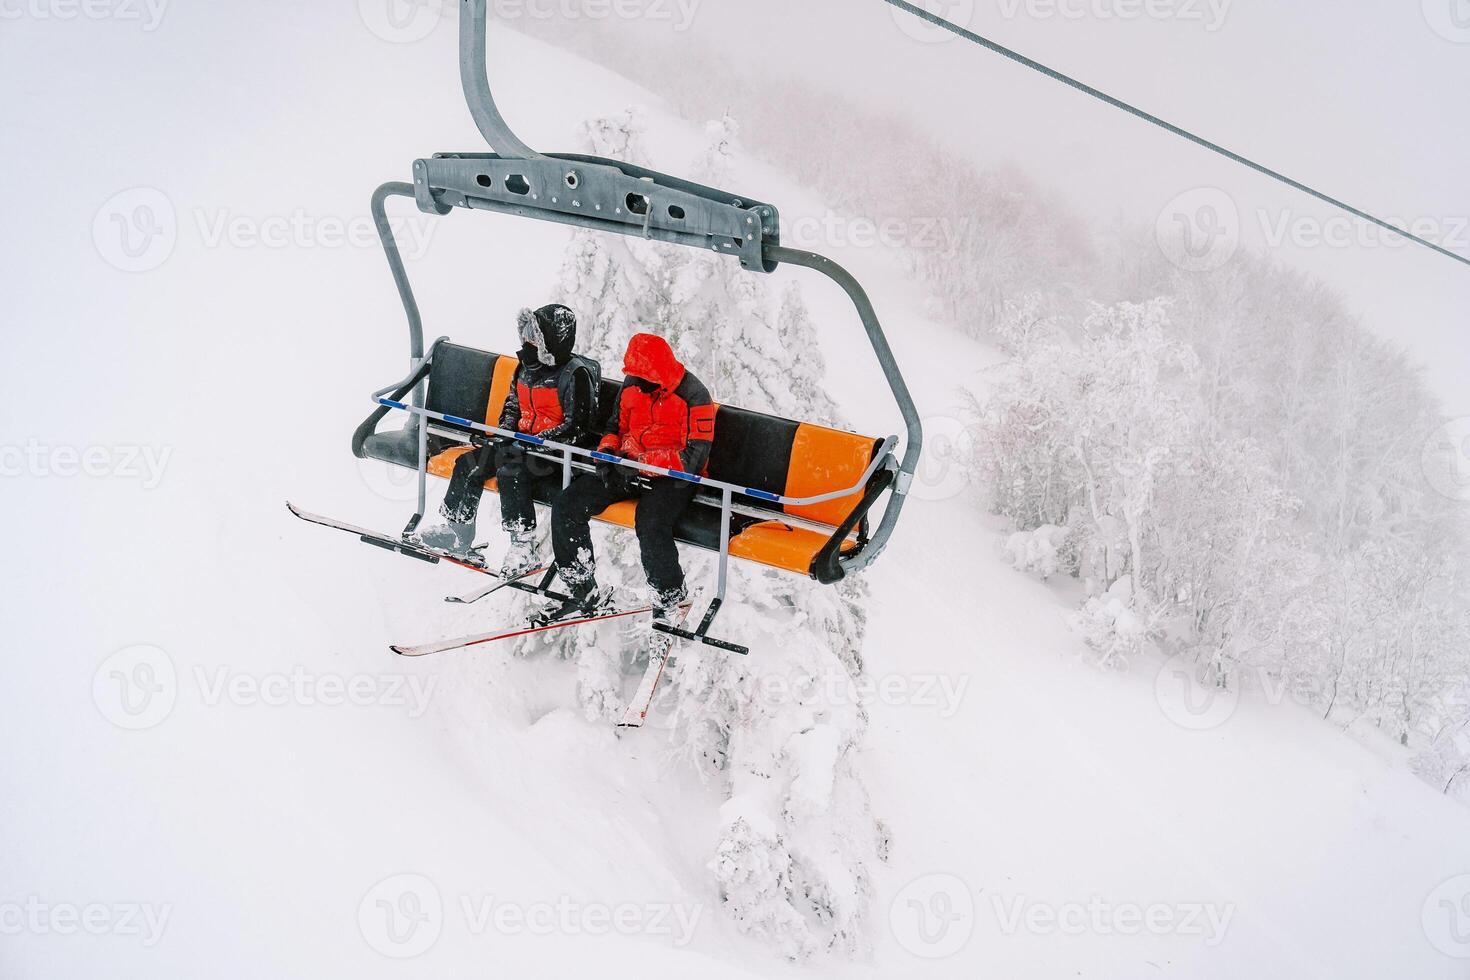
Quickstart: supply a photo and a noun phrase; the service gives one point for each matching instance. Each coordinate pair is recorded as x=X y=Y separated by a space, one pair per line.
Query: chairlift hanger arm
x=589 y=192
x=475 y=78
x=613 y=196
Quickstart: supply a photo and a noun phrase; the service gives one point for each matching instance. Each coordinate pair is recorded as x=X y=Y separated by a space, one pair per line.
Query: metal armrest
x=370 y=424
x=827 y=566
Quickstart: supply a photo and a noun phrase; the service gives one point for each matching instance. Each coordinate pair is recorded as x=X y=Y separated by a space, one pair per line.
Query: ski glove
x=508 y=451
x=611 y=475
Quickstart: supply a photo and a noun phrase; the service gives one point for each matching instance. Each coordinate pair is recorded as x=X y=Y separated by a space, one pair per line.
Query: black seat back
x=460 y=382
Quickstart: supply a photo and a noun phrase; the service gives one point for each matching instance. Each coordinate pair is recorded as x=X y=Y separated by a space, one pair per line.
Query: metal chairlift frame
x=612 y=196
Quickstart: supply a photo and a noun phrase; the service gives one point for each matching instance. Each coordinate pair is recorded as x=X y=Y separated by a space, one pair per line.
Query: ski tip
x=401 y=651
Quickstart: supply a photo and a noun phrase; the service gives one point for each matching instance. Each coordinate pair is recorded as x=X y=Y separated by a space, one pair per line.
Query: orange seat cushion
x=823 y=460
x=442 y=465
x=620 y=513
x=771 y=543
x=500 y=382
x=782 y=546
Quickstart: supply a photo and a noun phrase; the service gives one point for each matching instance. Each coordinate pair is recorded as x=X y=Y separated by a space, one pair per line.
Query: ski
x=489 y=590
x=388 y=542
x=521 y=629
x=658 y=659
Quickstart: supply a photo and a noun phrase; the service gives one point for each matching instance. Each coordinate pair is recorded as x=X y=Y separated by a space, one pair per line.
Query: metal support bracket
x=602 y=195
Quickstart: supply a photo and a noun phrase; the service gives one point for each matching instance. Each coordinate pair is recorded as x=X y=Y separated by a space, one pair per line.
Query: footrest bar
x=708 y=641
x=539 y=590
x=410 y=552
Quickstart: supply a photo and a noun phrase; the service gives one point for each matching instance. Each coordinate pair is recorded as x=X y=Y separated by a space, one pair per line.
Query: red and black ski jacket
x=670 y=420
x=556 y=402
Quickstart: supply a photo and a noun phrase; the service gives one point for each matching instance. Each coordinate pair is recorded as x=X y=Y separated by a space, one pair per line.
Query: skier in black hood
x=553 y=396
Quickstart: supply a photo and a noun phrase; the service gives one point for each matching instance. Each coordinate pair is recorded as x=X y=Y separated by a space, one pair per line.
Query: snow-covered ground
x=1047 y=820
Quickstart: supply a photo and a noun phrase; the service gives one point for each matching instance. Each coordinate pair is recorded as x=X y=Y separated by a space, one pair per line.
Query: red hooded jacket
x=673 y=426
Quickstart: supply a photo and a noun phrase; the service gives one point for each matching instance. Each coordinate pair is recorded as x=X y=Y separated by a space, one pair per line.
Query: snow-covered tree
x=806 y=368
x=798 y=834
x=780 y=729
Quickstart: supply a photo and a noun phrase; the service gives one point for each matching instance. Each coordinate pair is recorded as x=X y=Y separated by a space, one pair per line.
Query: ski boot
x=668 y=606
x=452 y=538
x=584 y=600
x=521 y=556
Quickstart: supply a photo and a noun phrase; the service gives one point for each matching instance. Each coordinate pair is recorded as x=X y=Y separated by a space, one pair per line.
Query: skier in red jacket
x=663 y=417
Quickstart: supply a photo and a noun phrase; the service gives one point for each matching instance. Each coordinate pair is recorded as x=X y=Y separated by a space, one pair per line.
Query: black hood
x=553 y=329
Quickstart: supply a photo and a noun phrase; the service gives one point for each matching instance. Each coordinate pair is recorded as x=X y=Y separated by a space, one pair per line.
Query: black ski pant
x=518 y=476
x=659 y=508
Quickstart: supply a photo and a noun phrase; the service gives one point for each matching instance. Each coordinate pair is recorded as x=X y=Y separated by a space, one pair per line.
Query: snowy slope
x=261 y=830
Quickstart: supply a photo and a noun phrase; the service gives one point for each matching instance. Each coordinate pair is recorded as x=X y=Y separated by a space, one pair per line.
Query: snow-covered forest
x=1150 y=406
x=942 y=768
